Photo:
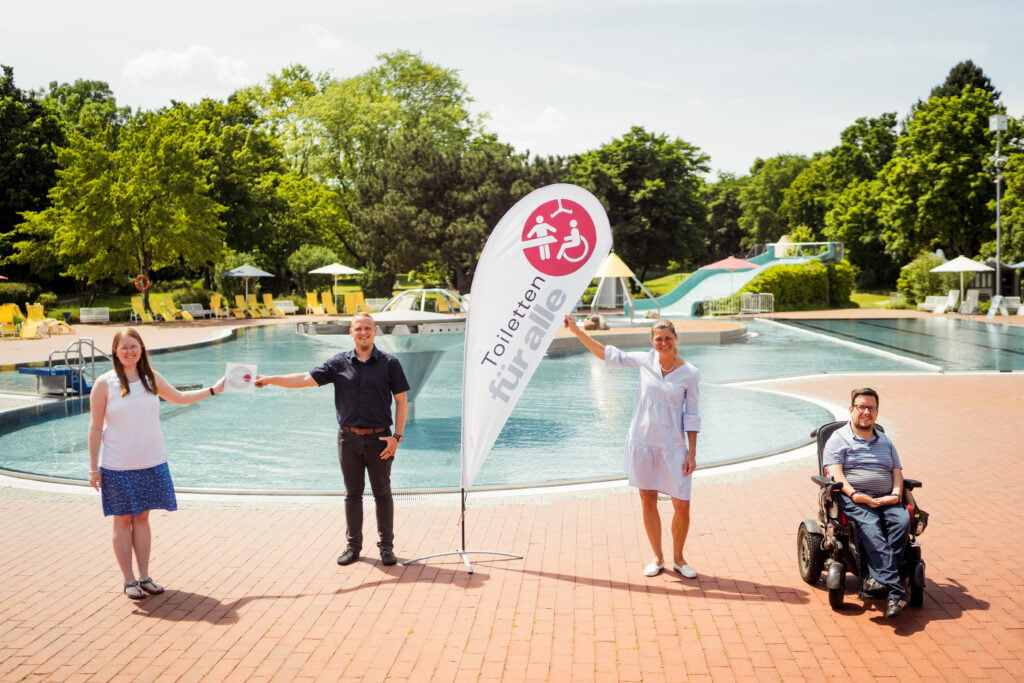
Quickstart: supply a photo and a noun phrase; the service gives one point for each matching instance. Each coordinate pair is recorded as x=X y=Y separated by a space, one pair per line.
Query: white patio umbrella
x=335 y=269
x=962 y=264
x=247 y=271
x=1017 y=265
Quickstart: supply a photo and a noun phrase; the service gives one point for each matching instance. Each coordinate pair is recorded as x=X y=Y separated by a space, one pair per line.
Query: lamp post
x=997 y=122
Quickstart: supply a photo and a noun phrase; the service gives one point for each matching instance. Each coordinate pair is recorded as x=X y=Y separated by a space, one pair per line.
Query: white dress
x=664 y=409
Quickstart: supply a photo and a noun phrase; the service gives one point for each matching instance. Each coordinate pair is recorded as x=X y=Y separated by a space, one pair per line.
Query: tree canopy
x=651 y=187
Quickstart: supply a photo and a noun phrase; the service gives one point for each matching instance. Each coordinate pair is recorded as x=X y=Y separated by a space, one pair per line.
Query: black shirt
x=363 y=391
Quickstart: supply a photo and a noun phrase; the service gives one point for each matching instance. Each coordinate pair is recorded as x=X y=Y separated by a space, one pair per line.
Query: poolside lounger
x=355 y=303
x=949 y=304
x=271 y=307
x=177 y=312
x=312 y=305
x=139 y=312
x=242 y=304
x=970 y=304
x=8 y=328
x=328 y=302
x=217 y=307
x=253 y=303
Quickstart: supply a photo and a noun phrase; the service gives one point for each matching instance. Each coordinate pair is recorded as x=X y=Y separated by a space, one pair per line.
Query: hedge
x=807 y=286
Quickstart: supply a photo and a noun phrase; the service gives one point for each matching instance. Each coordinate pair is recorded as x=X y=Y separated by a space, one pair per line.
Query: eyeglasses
x=865 y=409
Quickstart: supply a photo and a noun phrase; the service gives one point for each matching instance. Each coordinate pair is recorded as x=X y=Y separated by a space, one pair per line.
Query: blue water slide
x=716 y=284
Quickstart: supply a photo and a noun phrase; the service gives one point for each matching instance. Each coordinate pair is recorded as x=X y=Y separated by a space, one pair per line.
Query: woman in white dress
x=661 y=448
x=133 y=477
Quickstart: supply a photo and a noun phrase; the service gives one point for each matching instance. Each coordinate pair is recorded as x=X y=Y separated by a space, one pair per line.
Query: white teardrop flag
x=532 y=272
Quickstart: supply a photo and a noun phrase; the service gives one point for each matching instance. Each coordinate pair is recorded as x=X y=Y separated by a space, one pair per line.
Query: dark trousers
x=358 y=454
x=883 y=534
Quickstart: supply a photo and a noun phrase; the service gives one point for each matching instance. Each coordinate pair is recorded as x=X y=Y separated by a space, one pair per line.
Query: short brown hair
x=866 y=391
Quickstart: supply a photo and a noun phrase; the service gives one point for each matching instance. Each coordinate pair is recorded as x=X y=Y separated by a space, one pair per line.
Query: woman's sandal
x=133 y=591
x=151 y=586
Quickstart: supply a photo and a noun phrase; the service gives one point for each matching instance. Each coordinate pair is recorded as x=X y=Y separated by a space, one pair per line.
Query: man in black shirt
x=365 y=381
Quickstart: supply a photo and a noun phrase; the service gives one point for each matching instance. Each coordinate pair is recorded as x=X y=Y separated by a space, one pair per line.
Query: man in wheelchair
x=866 y=482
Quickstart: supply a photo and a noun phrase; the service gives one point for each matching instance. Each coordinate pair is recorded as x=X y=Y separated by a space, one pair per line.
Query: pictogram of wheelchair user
x=575 y=239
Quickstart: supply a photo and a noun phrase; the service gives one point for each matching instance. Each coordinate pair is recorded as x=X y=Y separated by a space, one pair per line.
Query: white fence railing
x=745 y=302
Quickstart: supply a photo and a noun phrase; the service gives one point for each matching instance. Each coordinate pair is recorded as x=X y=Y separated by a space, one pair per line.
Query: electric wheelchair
x=830 y=542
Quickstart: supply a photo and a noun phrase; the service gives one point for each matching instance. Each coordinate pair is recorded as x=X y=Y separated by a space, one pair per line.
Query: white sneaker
x=686 y=570
x=653 y=569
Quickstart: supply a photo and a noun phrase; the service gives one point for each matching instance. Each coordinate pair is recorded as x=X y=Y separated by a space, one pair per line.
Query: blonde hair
x=663 y=324
x=146 y=374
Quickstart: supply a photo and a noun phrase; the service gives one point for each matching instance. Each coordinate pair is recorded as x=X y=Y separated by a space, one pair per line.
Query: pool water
x=570 y=423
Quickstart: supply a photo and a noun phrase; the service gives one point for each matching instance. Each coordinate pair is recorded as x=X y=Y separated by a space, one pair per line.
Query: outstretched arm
x=293 y=381
x=170 y=393
x=594 y=346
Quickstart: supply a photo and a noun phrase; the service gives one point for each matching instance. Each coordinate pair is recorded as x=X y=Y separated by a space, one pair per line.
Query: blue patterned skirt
x=129 y=492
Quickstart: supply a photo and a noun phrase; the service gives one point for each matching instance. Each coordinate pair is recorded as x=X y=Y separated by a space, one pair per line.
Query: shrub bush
x=916 y=280
x=18 y=293
x=807 y=286
x=47 y=299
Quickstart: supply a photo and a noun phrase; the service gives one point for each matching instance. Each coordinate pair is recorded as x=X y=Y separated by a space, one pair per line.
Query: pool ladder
x=68 y=371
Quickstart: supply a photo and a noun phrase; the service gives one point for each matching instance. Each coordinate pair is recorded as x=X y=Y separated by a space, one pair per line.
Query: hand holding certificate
x=240 y=377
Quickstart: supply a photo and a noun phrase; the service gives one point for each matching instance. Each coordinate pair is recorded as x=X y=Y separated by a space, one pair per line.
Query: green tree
x=28 y=163
x=404 y=110
x=142 y=206
x=651 y=187
x=964 y=74
x=88 y=107
x=306 y=258
x=724 y=210
x=935 y=191
x=762 y=195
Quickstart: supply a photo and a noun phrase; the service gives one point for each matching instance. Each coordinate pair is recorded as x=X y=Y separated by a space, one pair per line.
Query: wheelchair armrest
x=911 y=484
x=825 y=482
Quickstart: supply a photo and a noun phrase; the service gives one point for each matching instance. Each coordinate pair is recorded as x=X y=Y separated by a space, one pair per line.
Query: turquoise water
x=570 y=423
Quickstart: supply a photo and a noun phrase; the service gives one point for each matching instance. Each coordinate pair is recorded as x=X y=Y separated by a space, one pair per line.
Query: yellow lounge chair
x=355 y=303
x=8 y=328
x=268 y=303
x=34 y=330
x=312 y=305
x=177 y=312
x=328 y=300
x=217 y=307
x=241 y=304
x=51 y=325
x=139 y=310
x=160 y=309
x=255 y=304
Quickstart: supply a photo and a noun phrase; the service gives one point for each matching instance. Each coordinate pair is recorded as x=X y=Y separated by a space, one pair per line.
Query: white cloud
x=321 y=38
x=583 y=73
x=197 y=65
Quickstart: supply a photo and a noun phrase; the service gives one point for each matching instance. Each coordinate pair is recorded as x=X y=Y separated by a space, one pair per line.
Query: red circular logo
x=558 y=237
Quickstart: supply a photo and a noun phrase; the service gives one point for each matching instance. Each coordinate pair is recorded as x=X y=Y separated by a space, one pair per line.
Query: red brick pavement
x=254 y=592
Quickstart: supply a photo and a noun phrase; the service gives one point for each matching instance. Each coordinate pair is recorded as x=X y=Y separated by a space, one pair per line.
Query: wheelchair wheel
x=810 y=556
x=836 y=585
x=917 y=586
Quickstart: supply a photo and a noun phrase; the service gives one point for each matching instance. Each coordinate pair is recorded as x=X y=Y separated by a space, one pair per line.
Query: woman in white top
x=133 y=477
x=661 y=448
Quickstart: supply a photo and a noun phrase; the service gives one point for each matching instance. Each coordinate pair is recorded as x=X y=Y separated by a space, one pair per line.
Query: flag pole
x=462 y=552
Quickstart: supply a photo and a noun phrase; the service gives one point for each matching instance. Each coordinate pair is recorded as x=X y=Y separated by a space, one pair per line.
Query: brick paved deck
x=254 y=592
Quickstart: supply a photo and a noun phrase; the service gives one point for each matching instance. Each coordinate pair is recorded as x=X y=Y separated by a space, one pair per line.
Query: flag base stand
x=461 y=552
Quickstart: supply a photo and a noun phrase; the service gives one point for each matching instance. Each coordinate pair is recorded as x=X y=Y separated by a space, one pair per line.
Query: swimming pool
x=570 y=423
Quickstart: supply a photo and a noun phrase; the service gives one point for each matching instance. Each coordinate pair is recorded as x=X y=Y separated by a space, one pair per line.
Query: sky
x=740 y=79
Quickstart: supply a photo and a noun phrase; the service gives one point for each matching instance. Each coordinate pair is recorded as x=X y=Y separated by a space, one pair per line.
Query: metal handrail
x=74 y=351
